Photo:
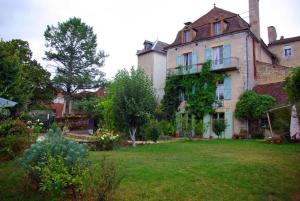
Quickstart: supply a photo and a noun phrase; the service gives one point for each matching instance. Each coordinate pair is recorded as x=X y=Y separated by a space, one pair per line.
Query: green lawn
x=198 y=170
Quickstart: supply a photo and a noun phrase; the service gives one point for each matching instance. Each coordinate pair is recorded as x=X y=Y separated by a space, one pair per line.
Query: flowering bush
x=105 y=139
x=14 y=138
x=36 y=126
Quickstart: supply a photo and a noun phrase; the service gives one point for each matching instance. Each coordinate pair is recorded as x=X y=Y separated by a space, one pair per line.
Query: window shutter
x=227 y=88
x=227 y=55
x=207 y=54
x=229 y=122
x=194 y=61
x=178 y=59
x=206 y=121
x=193 y=89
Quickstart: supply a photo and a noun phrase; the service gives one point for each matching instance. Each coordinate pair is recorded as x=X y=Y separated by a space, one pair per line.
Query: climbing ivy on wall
x=199 y=90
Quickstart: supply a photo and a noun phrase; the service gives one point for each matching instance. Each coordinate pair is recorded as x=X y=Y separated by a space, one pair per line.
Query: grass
x=193 y=171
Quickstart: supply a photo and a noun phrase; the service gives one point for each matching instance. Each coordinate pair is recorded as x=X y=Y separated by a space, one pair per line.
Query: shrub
x=219 y=126
x=4 y=113
x=152 y=130
x=107 y=180
x=105 y=140
x=15 y=137
x=54 y=144
x=167 y=127
x=199 y=128
x=56 y=176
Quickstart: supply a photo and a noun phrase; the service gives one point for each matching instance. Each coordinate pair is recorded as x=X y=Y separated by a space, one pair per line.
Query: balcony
x=218 y=104
x=231 y=63
x=225 y=64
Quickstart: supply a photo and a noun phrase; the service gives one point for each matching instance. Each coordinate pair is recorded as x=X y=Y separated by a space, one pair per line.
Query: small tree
x=219 y=126
x=72 y=47
x=252 y=106
x=133 y=101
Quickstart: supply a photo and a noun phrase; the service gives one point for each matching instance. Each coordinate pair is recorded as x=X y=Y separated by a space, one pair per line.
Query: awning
x=6 y=103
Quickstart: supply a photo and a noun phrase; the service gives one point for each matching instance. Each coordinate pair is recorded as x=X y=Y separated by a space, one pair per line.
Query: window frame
x=187 y=36
x=217 y=28
x=220 y=60
x=287 y=49
x=187 y=60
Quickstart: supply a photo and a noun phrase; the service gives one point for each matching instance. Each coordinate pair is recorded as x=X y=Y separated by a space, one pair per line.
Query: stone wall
x=268 y=73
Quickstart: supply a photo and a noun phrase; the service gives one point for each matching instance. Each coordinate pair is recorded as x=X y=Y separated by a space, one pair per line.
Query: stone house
x=236 y=49
x=153 y=59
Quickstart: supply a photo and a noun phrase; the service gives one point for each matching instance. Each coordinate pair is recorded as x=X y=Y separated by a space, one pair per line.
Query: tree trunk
x=67 y=99
x=132 y=136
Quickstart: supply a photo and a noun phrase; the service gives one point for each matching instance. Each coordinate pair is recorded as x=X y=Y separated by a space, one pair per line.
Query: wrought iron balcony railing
x=223 y=64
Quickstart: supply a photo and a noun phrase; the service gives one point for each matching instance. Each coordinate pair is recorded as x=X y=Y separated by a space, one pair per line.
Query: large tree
x=72 y=46
x=133 y=101
x=23 y=79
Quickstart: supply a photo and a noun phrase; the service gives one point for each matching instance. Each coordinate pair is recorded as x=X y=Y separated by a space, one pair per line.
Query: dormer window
x=187 y=36
x=217 y=28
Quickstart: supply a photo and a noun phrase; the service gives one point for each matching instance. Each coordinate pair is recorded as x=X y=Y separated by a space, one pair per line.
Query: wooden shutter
x=194 y=61
x=229 y=122
x=227 y=55
x=207 y=54
x=227 y=88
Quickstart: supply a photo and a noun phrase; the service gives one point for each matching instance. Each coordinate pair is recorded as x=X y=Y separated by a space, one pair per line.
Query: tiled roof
x=202 y=26
x=157 y=46
x=285 y=40
x=273 y=89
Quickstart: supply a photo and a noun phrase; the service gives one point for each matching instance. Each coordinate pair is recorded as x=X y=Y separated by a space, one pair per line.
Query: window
x=219 y=115
x=217 y=55
x=287 y=51
x=187 y=36
x=187 y=60
x=217 y=28
x=181 y=95
x=220 y=92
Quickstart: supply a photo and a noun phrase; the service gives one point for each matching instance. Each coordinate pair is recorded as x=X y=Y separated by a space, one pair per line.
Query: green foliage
x=105 y=139
x=253 y=106
x=292 y=85
x=133 y=100
x=167 y=127
x=54 y=144
x=4 y=113
x=56 y=176
x=14 y=138
x=16 y=80
x=152 y=130
x=199 y=128
x=280 y=120
x=219 y=126
x=73 y=45
x=107 y=115
x=108 y=179
x=89 y=106
x=200 y=101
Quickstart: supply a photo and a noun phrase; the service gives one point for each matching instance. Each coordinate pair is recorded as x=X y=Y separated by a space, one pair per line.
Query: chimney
x=272 y=34
x=254 y=17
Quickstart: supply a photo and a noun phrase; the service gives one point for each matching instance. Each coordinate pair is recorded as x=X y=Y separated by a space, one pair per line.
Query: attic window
x=217 y=28
x=187 y=36
x=287 y=51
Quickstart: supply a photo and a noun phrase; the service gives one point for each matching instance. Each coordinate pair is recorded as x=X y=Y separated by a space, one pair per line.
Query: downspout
x=247 y=76
x=247 y=62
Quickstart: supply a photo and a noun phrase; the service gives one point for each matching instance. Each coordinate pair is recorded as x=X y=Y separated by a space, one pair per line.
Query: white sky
x=123 y=25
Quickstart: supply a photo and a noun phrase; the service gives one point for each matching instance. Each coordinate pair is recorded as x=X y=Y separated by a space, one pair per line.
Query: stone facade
x=242 y=77
x=290 y=61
